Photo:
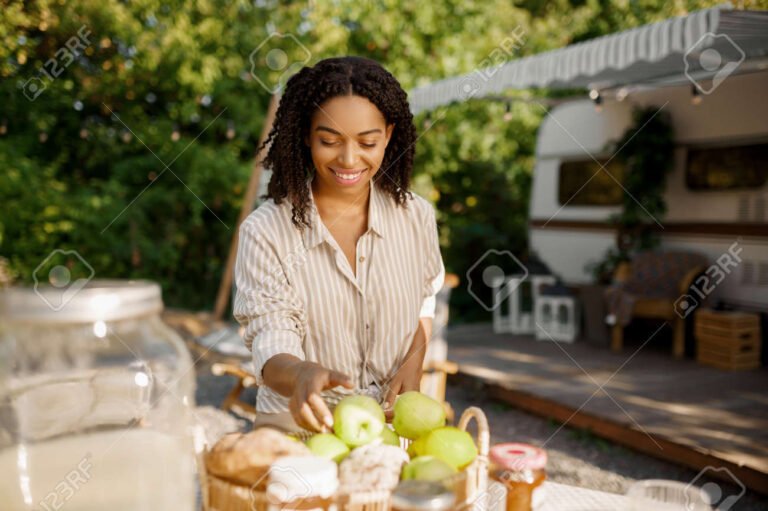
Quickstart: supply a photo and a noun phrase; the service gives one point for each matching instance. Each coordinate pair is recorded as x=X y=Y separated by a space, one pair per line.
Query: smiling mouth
x=348 y=175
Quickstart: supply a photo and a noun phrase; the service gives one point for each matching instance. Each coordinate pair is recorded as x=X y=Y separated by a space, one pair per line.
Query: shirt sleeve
x=435 y=270
x=266 y=303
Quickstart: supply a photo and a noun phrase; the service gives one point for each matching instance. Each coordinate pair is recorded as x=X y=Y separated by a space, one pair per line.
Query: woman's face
x=347 y=138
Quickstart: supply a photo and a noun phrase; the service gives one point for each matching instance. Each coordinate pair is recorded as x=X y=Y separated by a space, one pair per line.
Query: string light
x=695 y=95
x=508 y=112
x=230 y=130
x=597 y=99
x=175 y=136
x=4 y=127
x=622 y=94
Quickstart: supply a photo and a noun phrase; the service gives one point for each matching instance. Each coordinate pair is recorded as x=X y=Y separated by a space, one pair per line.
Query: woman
x=336 y=273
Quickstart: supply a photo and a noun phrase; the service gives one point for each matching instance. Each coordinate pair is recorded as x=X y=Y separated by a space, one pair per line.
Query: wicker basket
x=221 y=495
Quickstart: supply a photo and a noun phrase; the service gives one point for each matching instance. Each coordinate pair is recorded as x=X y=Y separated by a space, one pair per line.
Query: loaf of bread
x=244 y=458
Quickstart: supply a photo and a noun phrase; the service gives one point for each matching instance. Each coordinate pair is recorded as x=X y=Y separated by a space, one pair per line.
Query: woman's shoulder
x=269 y=217
x=420 y=208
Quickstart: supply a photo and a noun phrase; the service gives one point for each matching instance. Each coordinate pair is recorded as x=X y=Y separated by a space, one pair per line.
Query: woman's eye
x=329 y=143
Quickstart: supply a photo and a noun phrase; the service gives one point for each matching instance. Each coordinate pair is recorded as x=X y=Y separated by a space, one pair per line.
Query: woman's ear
x=390 y=129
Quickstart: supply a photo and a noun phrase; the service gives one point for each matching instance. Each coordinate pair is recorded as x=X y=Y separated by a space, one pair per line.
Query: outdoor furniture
x=521 y=293
x=727 y=340
x=593 y=311
x=556 y=313
x=433 y=381
x=652 y=285
x=551 y=496
x=562 y=497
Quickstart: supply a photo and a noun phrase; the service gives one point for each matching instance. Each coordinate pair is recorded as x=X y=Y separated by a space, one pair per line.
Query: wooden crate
x=728 y=340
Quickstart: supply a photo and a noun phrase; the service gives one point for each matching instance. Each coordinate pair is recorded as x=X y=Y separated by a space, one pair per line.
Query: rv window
x=584 y=183
x=727 y=168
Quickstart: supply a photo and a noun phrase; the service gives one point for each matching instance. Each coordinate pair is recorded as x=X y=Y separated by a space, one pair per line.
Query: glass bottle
x=522 y=469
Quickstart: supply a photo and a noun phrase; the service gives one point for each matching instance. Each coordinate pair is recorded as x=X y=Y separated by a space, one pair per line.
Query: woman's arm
x=303 y=381
x=408 y=375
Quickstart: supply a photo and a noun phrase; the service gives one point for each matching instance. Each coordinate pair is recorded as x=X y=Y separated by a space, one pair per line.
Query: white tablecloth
x=561 y=497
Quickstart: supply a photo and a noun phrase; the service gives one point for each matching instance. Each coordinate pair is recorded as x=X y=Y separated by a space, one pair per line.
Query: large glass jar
x=96 y=399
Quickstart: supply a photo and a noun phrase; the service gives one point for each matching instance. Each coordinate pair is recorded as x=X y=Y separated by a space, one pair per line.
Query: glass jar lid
x=95 y=300
x=518 y=456
x=426 y=495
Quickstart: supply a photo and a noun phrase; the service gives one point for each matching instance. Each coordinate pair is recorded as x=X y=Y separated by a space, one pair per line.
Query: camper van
x=716 y=192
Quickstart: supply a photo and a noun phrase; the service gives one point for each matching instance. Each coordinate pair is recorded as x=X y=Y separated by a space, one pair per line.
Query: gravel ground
x=575 y=457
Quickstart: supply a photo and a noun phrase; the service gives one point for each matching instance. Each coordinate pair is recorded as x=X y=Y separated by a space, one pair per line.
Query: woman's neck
x=330 y=201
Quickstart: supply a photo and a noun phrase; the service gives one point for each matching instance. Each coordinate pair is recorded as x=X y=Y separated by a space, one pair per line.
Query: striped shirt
x=297 y=293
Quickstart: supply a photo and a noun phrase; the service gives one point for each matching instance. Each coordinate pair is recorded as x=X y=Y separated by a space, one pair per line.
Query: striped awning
x=702 y=45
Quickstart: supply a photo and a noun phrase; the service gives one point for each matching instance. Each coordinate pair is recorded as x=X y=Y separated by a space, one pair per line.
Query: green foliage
x=78 y=177
x=647 y=150
x=481 y=179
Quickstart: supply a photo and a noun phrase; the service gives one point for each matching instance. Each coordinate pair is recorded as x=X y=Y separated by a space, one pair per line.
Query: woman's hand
x=307 y=407
x=407 y=377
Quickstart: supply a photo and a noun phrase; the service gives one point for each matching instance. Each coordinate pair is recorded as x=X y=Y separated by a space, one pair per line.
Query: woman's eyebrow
x=367 y=132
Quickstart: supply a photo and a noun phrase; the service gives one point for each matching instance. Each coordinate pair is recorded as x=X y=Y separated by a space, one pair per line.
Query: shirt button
x=362 y=258
x=367 y=326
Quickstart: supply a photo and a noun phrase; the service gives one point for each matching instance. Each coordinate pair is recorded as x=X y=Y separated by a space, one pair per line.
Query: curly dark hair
x=290 y=159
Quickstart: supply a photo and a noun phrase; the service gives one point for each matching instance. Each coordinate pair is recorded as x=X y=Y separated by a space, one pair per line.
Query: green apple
x=452 y=445
x=358 y=420
x=389 y=437
x=417 y=414
x=328 y=446
x=417 y=447
x=427 y=468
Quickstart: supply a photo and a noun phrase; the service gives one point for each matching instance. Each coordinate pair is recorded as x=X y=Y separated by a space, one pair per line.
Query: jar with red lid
x=521 y=469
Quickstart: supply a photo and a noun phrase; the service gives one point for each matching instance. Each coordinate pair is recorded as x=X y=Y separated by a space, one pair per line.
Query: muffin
x=372 y=468
x=238 y=465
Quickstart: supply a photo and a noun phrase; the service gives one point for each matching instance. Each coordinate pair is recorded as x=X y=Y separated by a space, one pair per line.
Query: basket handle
x=483 y=432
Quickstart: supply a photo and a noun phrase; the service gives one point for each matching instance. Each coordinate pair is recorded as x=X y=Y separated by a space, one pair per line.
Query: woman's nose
x=348 y=156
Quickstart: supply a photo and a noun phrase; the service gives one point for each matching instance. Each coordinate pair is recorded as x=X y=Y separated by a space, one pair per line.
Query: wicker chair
x=651 y=286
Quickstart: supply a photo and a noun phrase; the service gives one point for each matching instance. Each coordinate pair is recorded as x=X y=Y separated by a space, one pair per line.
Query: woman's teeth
x=348 y=177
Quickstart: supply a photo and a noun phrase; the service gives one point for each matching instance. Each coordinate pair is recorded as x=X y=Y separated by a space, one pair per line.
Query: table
x=561 y=497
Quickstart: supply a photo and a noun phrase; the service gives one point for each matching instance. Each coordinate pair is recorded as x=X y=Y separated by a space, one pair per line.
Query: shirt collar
x=316 y=233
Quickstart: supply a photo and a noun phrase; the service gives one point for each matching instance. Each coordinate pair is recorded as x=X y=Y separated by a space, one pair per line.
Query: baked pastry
x=238 y=465
x=372 y=468
x=244 y=458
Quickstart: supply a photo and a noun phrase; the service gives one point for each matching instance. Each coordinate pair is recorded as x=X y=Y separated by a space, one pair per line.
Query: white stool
x=557 y=318
x=517 y=320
